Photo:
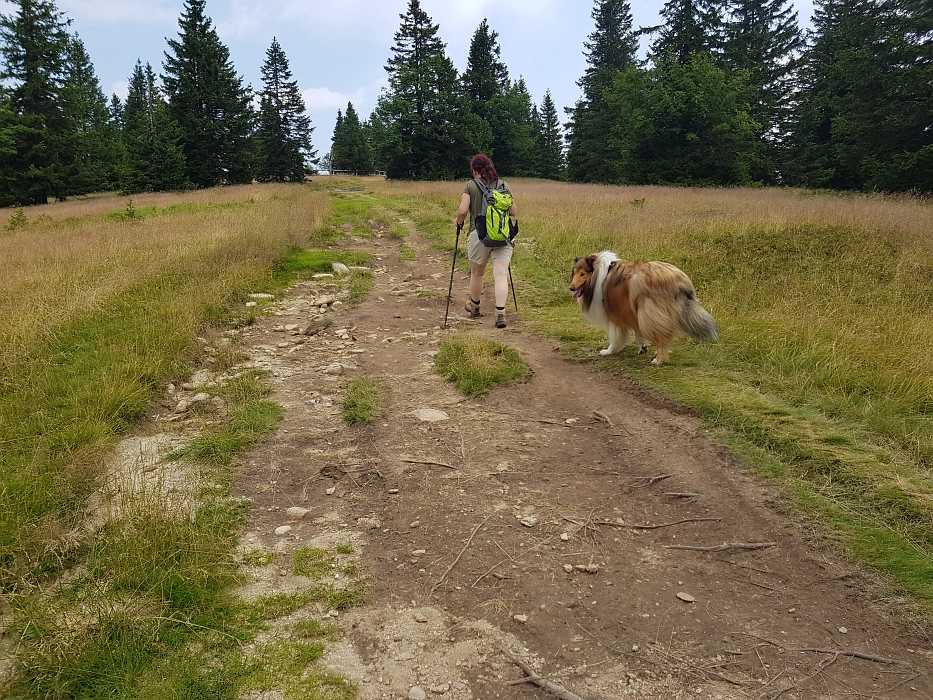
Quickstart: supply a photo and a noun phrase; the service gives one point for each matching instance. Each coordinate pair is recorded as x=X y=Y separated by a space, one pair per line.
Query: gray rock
x=340 y=268
x=297 y=513
x=417 y=693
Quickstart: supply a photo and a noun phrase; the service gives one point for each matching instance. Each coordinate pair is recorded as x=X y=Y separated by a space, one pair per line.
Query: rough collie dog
x=655 y=300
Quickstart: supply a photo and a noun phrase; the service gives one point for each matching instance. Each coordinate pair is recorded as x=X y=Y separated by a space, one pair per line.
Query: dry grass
x=71 y=259
x=97 y=310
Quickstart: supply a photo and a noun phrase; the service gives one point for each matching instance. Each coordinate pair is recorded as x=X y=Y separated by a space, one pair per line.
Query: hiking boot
x=500 y=321
x=472 y=309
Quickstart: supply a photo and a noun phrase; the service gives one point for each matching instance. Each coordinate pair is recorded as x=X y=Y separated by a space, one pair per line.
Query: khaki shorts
x=480 y=254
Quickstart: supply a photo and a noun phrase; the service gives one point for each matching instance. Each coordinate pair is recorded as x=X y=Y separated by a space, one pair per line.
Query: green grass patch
x=249 y=419
x=399 y=231
x=315 y=629
x=359 y=285
x=362 y=400
x=406 y=253
x=313 y=562
x=303 y=263
x=477 y=365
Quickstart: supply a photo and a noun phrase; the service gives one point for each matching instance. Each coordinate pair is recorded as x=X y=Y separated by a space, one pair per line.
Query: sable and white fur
x=654 y=300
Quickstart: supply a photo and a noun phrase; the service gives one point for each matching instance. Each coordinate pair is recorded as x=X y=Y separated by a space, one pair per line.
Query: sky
x=337 y=49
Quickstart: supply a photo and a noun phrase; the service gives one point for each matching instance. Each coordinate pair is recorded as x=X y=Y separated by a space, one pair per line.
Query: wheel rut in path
x=539 y=522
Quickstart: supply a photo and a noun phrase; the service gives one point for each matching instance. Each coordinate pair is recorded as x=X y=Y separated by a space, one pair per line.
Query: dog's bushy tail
x=695 y=321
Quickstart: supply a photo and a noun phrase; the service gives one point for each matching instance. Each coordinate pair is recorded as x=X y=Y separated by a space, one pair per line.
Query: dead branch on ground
x=428 y=462
x=454 y=562
x=657 y=527
x=834 y=652
x=547 y=685
x=643 y=481
x=724 y=546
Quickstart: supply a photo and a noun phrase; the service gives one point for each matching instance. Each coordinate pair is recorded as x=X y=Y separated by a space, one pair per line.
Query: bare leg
x=500 y=275
x=476 y=281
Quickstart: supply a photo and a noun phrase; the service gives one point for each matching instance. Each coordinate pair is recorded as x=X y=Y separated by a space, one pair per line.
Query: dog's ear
x=591 y=262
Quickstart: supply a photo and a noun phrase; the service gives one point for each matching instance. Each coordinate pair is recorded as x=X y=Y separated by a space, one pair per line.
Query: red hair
x=482 y=164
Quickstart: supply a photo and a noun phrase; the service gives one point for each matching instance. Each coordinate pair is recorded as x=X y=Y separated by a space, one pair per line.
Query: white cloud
x=121 y=89
x=325 y=99
x=117 y=11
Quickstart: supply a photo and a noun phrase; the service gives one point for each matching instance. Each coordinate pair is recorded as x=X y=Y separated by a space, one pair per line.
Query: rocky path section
x=572 y=521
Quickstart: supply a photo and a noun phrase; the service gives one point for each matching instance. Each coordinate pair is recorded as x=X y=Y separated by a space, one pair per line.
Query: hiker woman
x=471 y=202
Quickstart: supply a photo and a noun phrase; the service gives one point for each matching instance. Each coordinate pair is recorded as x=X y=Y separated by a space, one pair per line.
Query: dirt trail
x=466 y=513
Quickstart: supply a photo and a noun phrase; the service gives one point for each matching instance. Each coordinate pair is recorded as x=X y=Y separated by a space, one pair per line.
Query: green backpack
x=493 y=225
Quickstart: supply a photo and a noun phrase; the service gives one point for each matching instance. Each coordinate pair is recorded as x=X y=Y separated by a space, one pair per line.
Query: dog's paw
x=607 y=351
x=656 y=362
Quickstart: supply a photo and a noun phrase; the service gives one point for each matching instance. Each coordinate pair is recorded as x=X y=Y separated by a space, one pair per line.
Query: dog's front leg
x=618 y=339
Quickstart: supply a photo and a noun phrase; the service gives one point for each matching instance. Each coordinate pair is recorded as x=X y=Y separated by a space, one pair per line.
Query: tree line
x=731 y=92
x=194 y=126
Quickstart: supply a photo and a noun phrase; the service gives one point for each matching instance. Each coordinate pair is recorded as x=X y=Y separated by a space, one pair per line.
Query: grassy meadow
x=823 y=381
x=823 y=378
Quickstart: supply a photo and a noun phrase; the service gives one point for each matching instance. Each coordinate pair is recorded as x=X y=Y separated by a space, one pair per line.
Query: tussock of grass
x=313 y=562
x=476 y=365
x=406 y=253
x=359 y=285
x=362 y=400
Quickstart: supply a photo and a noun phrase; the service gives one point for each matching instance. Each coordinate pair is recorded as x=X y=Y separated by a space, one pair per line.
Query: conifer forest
x=728 y=93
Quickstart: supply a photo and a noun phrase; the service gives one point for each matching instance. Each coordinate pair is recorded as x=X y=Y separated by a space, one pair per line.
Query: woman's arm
x=464 y=209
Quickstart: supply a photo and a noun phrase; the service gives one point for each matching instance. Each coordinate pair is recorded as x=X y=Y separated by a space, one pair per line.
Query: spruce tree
x=154 y=159
x=761 y=37
x=34 y=44
x=610 y=49
x=434 y=133
x=690 y=27
x=351 y=151
x=846 y=80
x=90 y=144
x=208 y=100
x=486 y=76
x=551 y=144
x=284 y=130
x=514 y=138
x=338 y=144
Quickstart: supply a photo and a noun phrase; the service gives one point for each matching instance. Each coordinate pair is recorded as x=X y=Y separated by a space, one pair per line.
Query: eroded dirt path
x=466 y=514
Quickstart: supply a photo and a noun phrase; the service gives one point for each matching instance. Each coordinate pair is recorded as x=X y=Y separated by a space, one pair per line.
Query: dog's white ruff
x=596 y=314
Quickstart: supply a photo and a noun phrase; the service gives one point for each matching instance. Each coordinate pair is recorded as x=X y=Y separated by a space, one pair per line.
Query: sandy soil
x=540 y=524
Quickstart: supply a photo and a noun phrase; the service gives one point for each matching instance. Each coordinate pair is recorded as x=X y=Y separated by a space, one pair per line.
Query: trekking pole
x=512 y=284
x=452 y=266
